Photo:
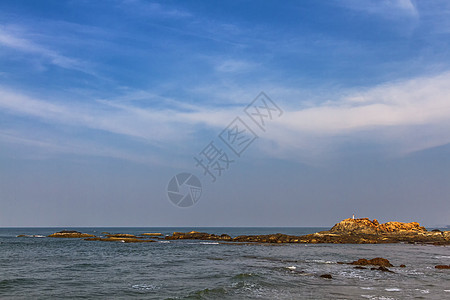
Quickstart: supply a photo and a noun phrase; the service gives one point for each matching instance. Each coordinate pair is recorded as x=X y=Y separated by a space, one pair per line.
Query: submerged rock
x=120 y=239
x=327 y=276
x=384 y=269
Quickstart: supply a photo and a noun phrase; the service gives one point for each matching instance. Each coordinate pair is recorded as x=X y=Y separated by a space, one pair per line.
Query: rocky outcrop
x=366 y=226
x=70 y=234
x=152 y=234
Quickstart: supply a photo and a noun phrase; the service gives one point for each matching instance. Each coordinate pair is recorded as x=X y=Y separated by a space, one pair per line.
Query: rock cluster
x=348 y=231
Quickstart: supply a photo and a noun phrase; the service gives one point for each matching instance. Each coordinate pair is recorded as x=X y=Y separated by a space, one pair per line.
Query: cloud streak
x=11 y=38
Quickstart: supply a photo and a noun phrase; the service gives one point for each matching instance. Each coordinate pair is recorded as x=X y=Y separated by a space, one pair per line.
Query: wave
x=321 y=261
x=208 y=293
x=393 y=289
x=32 y=235
x=145 y=287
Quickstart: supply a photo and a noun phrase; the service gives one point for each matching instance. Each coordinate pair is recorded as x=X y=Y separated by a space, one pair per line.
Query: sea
x=39 y=267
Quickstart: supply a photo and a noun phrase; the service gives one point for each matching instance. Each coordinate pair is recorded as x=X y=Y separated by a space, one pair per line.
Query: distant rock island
x=348 y=231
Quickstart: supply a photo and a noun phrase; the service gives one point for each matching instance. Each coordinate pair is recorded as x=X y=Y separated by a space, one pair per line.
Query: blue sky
x=102 y=102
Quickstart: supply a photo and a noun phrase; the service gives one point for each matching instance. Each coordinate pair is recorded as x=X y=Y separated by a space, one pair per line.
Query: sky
x=103 y=102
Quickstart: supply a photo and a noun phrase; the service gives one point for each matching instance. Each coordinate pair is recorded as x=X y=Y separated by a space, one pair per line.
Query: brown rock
x=122 y=235
x=152 y=234
x=402 y=266
x=367 y=226
x=442 y=267
x=378 y=261
x=70 y=234
x=327 y=276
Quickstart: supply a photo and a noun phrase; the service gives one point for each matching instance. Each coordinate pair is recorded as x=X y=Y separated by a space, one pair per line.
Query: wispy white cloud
x=383 y=8
x=139 y=7
x=234 y=66
x=15 y=38
x=401 y=117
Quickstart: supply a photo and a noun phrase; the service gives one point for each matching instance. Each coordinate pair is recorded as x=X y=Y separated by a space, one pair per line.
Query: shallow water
x=40 y=267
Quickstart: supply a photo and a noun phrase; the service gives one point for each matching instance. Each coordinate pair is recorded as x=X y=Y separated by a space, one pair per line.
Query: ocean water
x=43 y=268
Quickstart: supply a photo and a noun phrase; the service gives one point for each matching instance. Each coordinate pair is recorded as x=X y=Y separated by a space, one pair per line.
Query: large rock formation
x=365 y=226
x=348 y=231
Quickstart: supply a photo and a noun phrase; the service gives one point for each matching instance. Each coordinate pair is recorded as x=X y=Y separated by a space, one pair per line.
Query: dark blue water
x=42 y=268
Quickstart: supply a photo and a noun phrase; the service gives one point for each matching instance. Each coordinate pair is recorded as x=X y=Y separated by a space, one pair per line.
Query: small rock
x=442 y=267
x=359 y=268
x=402 y=266
x=327 y=276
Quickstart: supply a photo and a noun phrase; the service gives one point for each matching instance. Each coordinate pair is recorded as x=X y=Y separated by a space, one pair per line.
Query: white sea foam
x=164 y=242
x=292 y=267
x=448 y=291
x=146 y=287
x=367 y=288
x=393 y=289
x=442 y=256
x=209 y=243
x=374 y=297
x=321 y=261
